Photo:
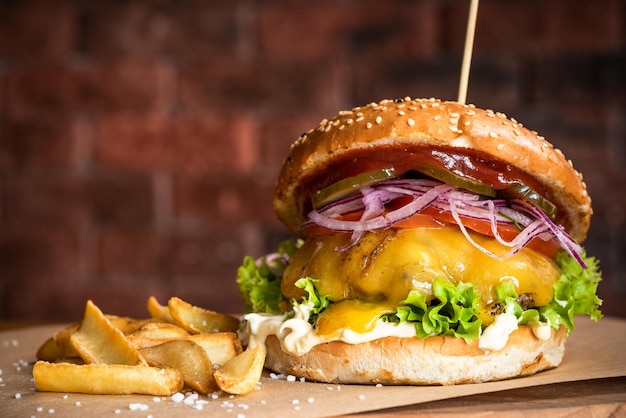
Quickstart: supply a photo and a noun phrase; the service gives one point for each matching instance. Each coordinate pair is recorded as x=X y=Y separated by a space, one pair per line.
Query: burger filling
x=416 y=257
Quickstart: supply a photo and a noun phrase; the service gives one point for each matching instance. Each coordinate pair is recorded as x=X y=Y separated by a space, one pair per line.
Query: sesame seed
x=436 y=117
x=470 y=112
x=500 y=146
x=349 y=121
x=493 y=134
x=516 y=132
x=411 y=122
x=360 y=118
x=401 y=113
x=379 y=119
x=368 y=125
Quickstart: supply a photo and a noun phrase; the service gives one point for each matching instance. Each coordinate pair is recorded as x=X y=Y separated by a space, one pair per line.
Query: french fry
x=188 y=358
x=62 y=339
x=139 y=342
x=219 y=346
x=179 y=344
x=158 y=311
x=127 y=325
x=160 y=330
x=107 y=379
x=196 y=320
x=241 y=374
x=50 y=351
x=98 y=341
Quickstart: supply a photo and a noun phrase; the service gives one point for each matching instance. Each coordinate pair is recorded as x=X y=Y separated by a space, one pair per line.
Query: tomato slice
x=507 y=232
x=433 y=218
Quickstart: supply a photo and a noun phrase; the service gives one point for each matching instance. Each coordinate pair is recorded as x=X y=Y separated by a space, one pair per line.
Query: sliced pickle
x=350 y=185
x=455 y=180
x=522 y=191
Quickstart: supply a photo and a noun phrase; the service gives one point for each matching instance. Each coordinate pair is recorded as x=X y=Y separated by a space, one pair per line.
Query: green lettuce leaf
x=574 y=293
x=452 y=309
x=259 y=280
x=315 y=299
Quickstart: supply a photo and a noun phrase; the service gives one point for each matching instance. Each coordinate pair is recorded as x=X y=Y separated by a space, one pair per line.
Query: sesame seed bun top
x=401 y=132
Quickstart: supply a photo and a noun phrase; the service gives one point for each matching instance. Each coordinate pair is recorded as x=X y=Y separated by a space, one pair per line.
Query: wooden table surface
x=588 y=398
x=595 y=397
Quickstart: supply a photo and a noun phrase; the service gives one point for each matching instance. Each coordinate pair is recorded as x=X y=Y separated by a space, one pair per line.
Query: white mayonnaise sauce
x=298 y=337
x=495 y=336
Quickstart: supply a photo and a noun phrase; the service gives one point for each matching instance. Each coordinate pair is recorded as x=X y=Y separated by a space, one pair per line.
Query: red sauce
x=468 y=163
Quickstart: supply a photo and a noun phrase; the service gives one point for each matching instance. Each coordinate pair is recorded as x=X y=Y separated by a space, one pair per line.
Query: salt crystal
x=177 y=397
x=138 y=407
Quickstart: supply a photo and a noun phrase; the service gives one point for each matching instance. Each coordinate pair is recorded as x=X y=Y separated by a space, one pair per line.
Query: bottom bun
x=414 y=361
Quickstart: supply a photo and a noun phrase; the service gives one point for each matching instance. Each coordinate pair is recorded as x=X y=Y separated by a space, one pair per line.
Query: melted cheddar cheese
x=376 y=274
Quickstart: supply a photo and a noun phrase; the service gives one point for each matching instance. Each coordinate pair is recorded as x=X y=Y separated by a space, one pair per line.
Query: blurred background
x=140 y=140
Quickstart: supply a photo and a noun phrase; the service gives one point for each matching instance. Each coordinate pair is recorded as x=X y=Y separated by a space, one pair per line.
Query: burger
x=434 y=243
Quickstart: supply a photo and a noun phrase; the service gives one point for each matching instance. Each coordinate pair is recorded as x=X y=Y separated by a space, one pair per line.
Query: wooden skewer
x=467 y=53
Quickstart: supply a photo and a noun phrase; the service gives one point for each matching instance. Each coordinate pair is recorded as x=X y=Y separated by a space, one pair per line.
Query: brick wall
x=140 y=140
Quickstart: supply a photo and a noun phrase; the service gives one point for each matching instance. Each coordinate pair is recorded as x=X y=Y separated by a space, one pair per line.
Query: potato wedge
x=62 y=339
x=219 y=346
x=98 y=341
x=139 y=342
x=160 y=330
x=188 y=358
x=196 y=320
x=241 y=374
x=127 y=325
x=101 y=379
x=50 y=351
x=158 y=311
